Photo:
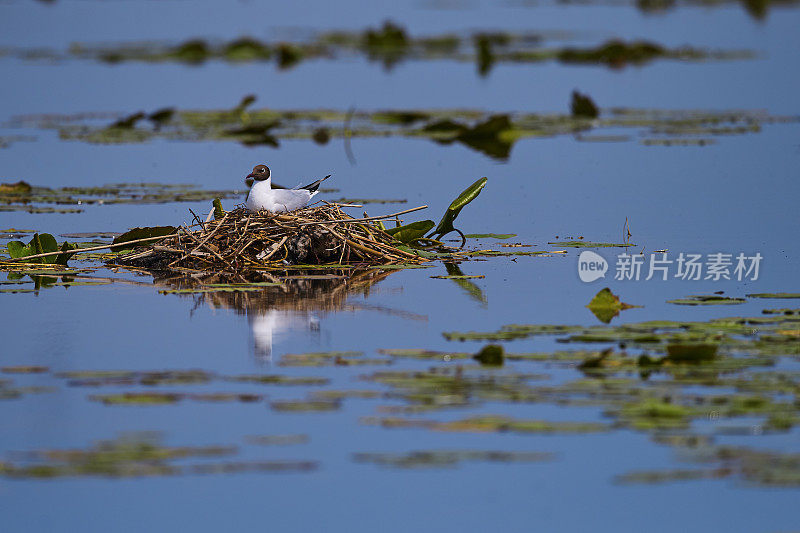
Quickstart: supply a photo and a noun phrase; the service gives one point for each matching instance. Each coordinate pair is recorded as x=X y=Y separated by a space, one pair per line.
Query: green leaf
x=411 y=232
x=606 y=305
x=17 y=249
x=490 y=355
x=218 y=211
x=39 y=244
x=36 y=245
x=446 y=224
x=62 y=258
x=142 y=233
x=48 y=244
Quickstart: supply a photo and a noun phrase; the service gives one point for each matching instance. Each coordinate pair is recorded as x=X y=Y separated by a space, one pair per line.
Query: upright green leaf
x=36 y=245
x=446 y=224
x=48 y=244
x=62 y=258
x=219 y=212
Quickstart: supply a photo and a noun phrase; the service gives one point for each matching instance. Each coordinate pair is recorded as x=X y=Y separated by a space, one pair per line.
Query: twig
x=275 y=248
x=362 y=220
x=203 y=243
x=90 y=249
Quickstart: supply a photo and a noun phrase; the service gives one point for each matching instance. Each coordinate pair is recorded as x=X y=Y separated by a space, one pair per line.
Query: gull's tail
x=312 y=187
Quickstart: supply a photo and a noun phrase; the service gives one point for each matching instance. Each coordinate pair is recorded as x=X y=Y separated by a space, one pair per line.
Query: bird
x=262 y=197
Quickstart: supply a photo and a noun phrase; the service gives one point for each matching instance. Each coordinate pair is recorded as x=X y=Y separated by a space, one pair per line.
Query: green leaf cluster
x=41 y=244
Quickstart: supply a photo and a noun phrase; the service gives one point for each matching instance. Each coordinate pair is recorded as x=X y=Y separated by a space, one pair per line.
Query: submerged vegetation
x=666 y=379
x=22 y=196
x=388 y=45
x=138 y=455
x=491 y=134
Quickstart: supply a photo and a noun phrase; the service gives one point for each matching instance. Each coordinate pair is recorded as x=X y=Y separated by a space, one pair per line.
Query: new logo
x=591 y=266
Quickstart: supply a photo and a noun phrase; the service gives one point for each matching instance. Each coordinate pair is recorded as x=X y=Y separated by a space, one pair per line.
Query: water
x=736 y=195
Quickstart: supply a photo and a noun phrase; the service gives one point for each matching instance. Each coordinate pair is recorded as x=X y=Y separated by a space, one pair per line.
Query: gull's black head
x=260 y=173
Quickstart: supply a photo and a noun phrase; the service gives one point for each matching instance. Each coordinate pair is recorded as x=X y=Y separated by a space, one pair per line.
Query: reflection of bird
x=265 y=325
x=263 y=197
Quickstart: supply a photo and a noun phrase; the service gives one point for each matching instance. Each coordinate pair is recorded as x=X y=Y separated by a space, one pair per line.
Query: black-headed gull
x=263 y=197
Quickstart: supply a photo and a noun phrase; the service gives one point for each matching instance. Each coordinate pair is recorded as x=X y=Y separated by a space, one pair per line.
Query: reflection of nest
x=295 y=303
x=300 y=291
x=321 y=294
x=242 y=244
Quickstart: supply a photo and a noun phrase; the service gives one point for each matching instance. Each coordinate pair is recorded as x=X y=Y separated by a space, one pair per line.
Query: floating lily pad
x=448 y=458
x=336 y=395
x=98 y=378
x=784 y=311
x=490 y=235
x=226 y=397
x=138 y=398
x=759 y=467
x=274 y=379
x=25 y=369
x=678 y=142
x=331 y=358
x=462 y=276
x=504 y=253
x=589 y=244
x=490 y=424
x=137 y=455
x=786 y=295
x=401 y=266
x=424 y=354
x=277 y=440
x=306 y=405
x=707 y=299
x=691 y=352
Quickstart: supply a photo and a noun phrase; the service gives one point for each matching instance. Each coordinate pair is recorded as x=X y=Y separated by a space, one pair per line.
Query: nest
x=242 y=242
